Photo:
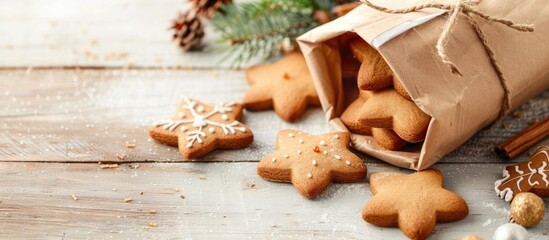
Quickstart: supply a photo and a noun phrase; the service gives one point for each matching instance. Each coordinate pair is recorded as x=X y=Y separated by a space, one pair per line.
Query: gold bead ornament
x=527 y=209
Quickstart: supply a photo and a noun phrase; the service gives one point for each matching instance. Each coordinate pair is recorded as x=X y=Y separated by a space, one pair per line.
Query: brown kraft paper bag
x=459 y=106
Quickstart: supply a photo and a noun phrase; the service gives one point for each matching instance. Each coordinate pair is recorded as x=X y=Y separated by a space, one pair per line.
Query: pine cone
x=207 y=8
x=188 y=30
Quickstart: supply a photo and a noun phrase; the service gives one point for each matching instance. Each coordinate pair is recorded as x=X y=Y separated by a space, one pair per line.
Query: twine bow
x=465 y=7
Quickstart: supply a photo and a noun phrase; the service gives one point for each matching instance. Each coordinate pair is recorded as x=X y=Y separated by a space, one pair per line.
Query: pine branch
x=258 y=28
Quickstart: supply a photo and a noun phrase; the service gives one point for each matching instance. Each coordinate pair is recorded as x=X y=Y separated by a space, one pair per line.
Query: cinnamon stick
x=524 y=140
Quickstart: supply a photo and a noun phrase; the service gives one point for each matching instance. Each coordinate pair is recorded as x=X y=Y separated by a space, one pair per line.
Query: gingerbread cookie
x=198 y=128
x=387 y=109
x=374 y=73
x=386 y=138
x=285 y=85
x=529 y=176
x=413 y=202
x=311 y=162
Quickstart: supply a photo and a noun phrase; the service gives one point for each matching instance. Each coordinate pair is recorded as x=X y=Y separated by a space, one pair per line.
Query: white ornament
x=510 y=231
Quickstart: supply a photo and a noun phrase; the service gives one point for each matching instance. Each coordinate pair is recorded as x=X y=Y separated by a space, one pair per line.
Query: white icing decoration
x=301 y=141
x=348 y=162
x=517 y=169
x=322 y=143
x=532 y=172
x=286 y=156
x=200 y=109
x=291 y=135
x=314 y=162
x=337 y=157
x=309 y=175
x=541 y=171
x=325 y=152
x=225 y=117
x=336 y=136
x=273 y=160
x=200 y=121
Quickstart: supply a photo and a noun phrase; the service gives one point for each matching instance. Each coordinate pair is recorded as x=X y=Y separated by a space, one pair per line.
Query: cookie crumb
x=309 y=175
x=120 y=156
x=182 y=196
x=517 y=114
x=286 y=76
x=202 y=177
x=152 y=224
x=74 y=197
x=273 y=160
x=286 y=156
x=130 y=145
x=152 y=211
x=129 y=199
x=105 y=166
x=141 y=193
x=301 y=141
x=348 y=163
x=314 y=162
x=316 y=149
x=337 y=157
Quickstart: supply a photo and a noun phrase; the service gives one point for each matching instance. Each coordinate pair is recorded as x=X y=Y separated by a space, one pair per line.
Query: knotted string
x=466 y=8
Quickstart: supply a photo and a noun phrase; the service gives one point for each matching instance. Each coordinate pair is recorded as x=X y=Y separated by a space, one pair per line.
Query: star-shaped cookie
x=386 y=138
x=285 y=85
x=387 y=109
x=413 y=202
x=198 y=128
x=529 y=176
x=374 y=73
x=311 y=162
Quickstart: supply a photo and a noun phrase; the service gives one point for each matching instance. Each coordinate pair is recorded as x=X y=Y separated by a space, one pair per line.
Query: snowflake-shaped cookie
x=311 y=162
x=198 y=128
x=529 y=176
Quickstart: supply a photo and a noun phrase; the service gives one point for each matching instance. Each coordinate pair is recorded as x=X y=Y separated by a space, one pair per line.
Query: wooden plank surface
x=90 y=115
x=97 y=33
x=230 y=201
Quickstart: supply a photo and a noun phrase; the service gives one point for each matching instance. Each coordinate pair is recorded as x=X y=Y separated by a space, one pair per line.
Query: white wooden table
x=80 y=79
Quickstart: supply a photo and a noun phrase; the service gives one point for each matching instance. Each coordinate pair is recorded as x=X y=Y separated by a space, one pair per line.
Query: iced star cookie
x=386 y=138
x=311 y=162
x=198 y=128
x=529 y=176
x=413 y=202
x=387 y=109
x=374 y=73
x=286 y=86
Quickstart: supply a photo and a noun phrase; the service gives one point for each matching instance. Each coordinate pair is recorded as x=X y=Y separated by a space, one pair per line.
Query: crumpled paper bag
x=459 y=106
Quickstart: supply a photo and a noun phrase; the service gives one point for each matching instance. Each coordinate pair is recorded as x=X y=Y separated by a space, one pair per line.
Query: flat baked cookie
x=387 y=109
x=386 y=138
x=311 y=162
x=413 y=202
x=198 y=128
x=286 y=86
x=374 y=73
